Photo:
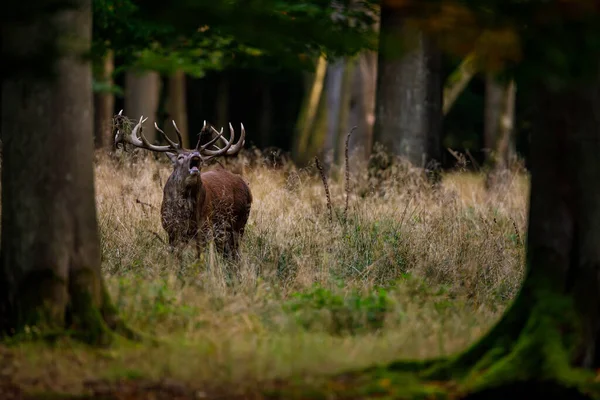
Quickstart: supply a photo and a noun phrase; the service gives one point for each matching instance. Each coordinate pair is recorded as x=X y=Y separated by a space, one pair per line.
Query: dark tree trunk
x=551 y=331
x=104 y=104
x=266 y=114
x=408 y=116
x=222 y=106
x=176 y=108
x=494 y=92
x=50 y=252
x=142 y=95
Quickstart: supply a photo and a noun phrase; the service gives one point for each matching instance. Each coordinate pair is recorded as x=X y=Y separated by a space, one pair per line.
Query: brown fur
x=214 y=205
x=196 y=205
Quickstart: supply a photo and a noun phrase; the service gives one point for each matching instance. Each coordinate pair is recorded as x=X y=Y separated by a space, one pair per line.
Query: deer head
x=196 y=204
x=187 y=163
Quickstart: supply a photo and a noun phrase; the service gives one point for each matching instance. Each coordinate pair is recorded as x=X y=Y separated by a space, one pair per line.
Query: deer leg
x=198 y=248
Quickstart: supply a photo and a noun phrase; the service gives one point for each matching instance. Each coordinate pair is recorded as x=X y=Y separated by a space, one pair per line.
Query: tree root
x=532 y=347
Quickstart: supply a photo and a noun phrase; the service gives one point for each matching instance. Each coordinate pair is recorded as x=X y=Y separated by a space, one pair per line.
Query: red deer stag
x=198 y=205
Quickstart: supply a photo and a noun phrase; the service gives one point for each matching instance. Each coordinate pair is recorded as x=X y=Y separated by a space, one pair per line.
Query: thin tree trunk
x=409 y=92
x=50 y=252
x=334 y=80
x=507 y=122
x=176 y=108
x=503 y=151
x=266 y=113
x=458 y=81
x=345 y=100
x=223 y=102
x=308 y=113
x=142 y=92
x=362 y=103
x=104 y=104
x=494 y=93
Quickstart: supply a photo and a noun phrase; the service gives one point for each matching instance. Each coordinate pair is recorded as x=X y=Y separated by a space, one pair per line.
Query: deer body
x=216 y=207
x=212 y=205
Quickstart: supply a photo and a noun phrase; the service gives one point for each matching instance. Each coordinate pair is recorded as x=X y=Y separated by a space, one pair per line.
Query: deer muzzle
x=195 y=161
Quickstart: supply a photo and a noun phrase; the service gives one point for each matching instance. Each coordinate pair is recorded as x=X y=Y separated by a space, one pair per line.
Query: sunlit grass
x=412 y=272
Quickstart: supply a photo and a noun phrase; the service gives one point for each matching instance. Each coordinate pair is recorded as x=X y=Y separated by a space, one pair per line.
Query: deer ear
x=172 y=157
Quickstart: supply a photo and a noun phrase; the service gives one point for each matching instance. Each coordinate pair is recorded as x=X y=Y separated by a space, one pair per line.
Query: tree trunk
x=308 y=113
x=362 y=103
x=334 y=81
x=142 y=92
x=494 y=93
x=503 y=142
x=177 y=109
x=50 y=250
x=104 y=104
x=223 y=102
x=409 y=92
x=458 y=81
x=344 y=111
x=552 y=330
x=266 y=114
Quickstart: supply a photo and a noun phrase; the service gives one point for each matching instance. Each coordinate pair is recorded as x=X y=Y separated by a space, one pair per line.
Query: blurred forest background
x=300 y=75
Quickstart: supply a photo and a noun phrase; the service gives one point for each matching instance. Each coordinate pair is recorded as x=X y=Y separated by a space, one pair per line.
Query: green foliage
x=353 y=314
x=158 y=301
x=200 y=35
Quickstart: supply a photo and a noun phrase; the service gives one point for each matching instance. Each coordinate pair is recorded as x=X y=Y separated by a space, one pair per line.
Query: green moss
x=37 y=307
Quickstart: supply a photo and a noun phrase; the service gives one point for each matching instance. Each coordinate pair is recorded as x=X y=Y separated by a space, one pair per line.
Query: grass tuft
x=413 y=271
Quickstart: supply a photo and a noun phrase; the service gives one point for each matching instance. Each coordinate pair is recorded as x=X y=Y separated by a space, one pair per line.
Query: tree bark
x=104 y=104
x=344 y=111
x=308 y=113
x=552 y=330
x=409 y=92
x=50 y=250
x=333 y=89
x=266 y=113
x=223 y=102
x=494 y=93
x=500 y=106
x=362 y=103
x=142 y=92
x=177 y=108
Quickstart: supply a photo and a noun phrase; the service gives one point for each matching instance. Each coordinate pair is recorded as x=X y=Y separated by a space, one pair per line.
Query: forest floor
x=410 y=272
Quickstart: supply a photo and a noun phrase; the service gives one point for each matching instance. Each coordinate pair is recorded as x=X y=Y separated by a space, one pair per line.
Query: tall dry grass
x=413 y=271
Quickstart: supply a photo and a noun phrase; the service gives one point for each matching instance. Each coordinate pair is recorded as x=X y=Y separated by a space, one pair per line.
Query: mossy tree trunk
x=50 y=252
x=551 y=332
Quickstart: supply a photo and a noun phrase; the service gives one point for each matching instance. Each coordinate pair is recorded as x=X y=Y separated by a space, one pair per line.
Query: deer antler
x=143 y=143
x=172 y=147
x=229 y=149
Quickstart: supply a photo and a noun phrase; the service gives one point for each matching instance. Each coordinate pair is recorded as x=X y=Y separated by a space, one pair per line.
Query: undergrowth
x=411 y=270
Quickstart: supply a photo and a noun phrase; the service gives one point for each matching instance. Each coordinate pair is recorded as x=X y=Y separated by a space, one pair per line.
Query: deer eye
x=180 y=158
